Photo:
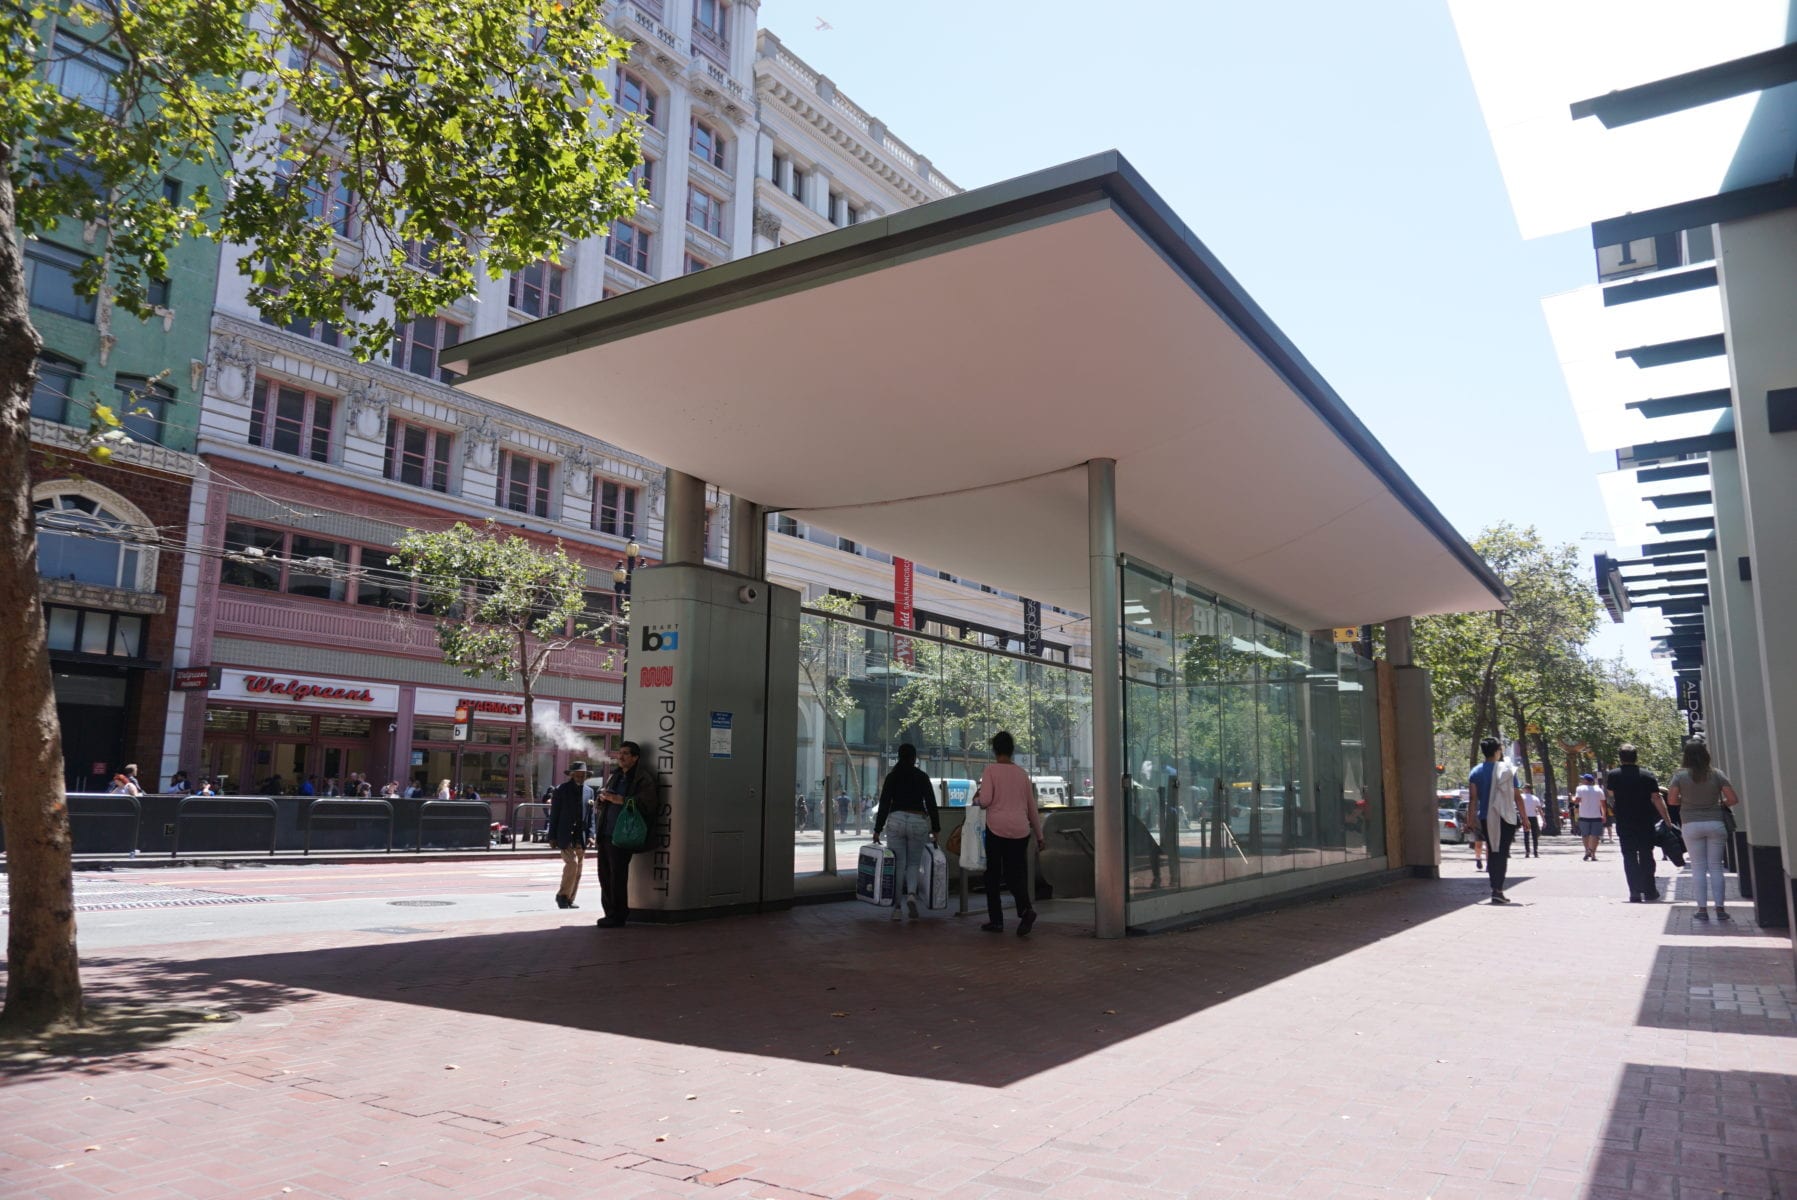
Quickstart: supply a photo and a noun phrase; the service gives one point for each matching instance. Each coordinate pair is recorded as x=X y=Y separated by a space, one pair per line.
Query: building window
x=708 y=21
x=705 y=211
x=79 y=539
x=418 y=455
x=50 y=280
x=523 y=484
x=327 y=200
x=156 y=292
x=836 y=206
x=87 y=631
x=777 y=169
x=292 y=420
x=636 y=96
x=171 y=191
x=847 y=546
x=695 y=263
x=317 y=567
x=642 y=177
x=708 y=143
x=252 y=557
x=379 y=585
x=55 y=386
x=85 y=73
x=786 y=525
x=537 y=289
x=421 y=255
x=143 y=407
x=420 y=345
x=854 y=215
x=616 y=511
x=629 y=244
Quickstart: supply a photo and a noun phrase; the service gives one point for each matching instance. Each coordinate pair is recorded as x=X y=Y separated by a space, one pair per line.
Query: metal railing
x=266 y=810
x=135 y=814
x=370 y=810
x=517 y=810
x=441 y=811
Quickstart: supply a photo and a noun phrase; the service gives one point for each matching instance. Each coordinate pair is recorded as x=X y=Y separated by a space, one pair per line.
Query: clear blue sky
x=1332 y=155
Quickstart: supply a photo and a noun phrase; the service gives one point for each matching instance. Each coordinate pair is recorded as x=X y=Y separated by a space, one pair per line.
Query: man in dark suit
x=632 y=780
x=570 y=828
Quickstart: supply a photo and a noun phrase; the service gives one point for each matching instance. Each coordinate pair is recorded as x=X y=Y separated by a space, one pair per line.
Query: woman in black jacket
x=908 y=804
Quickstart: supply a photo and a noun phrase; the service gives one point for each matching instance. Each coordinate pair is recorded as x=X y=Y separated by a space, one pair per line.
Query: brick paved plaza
x=1406 y=1042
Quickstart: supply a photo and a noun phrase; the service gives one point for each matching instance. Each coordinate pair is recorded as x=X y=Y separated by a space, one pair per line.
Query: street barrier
x=347 y=810
x=91 y=808
x=456 y=810
x=212 y=807
x=518 y=831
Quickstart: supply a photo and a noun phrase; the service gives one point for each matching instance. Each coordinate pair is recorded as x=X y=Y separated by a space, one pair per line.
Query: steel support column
x=748 y=538
x=683 y=519
x=1110 y=874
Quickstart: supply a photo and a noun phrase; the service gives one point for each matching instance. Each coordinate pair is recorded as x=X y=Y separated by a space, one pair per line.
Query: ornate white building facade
x=314 y=464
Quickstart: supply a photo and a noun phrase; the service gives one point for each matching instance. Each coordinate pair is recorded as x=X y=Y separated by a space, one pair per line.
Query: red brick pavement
x=1402 y=1043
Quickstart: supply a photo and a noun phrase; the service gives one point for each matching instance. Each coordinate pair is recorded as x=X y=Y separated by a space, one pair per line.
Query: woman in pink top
x=1009 y=798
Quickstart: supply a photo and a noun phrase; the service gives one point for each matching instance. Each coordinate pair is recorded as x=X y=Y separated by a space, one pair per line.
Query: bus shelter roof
x=932 y=382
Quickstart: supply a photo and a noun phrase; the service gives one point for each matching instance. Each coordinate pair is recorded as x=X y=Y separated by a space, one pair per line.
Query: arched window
x=90 y=535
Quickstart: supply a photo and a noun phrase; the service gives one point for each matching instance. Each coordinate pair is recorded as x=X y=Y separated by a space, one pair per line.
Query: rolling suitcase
x=875 y=875
x=933 y=878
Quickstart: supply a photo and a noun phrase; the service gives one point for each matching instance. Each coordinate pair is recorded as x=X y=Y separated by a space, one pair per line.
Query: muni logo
x=661 y=637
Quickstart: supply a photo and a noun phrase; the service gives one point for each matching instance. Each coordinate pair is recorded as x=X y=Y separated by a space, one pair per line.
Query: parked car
x=1451 y=828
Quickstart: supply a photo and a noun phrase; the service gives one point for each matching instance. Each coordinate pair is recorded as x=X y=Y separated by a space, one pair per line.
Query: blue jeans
x=1704 y=841
x=907 y=835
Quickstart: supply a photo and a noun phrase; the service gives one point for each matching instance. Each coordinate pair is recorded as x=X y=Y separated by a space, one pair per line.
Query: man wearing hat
x=570 y=828
x=1590 y=799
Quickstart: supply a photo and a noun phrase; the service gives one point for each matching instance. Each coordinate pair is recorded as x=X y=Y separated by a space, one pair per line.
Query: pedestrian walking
x=570 y=828
x=1703 y=796
x=908 y=809
x=1592 y=810
x=630 y=780
x=1531 y=830
x=1009 y=798
x=1634 y=798
x=842 y=811
x=1492 y=785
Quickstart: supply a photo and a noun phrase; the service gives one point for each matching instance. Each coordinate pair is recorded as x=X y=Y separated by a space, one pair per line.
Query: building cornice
x=370 y=389
x=93 y=595
x=144 y=456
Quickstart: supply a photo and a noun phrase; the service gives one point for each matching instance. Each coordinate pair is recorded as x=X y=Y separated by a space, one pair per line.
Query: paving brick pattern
x=1408 y=1042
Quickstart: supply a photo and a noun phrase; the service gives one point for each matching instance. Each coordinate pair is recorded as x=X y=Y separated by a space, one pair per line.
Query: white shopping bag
x=973 y=839
x=875 y=875
x=933 y=878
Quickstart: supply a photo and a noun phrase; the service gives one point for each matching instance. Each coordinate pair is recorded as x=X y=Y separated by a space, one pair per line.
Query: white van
x=1052 y=790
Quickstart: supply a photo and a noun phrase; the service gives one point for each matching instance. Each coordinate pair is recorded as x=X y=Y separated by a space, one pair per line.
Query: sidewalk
x=1406 y=1042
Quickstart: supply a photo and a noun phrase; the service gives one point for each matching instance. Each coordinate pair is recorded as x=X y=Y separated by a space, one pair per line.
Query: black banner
x=1032 y=628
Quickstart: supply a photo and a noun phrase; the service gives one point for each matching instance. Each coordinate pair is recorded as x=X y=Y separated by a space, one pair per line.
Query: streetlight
x=620 y=586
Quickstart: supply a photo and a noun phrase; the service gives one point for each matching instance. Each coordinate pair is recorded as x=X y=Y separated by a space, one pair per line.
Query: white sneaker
x=896 y=914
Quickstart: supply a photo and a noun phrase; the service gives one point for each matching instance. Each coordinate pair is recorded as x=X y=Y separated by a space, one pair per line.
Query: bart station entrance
x=1051 y=385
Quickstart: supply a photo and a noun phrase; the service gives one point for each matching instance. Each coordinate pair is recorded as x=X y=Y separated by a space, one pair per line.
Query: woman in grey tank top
x=1703 y=794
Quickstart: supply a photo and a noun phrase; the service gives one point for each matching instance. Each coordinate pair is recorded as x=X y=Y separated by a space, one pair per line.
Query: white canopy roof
x=931 y=383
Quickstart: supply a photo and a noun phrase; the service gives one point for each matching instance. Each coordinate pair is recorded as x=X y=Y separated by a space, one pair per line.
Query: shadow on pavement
x=137 y=1006
x=1727 y=988
x=833 y=983
x=1676 y=1131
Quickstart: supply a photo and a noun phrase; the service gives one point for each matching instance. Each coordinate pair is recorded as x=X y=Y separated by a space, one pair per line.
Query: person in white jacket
x=1492 y=787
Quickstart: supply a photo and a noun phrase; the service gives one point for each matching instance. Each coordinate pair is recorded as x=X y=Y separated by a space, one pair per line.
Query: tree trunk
x=1522 y=738
x=527 y=677
x=1547 y=776
x=1487 y=699
x=43 y=976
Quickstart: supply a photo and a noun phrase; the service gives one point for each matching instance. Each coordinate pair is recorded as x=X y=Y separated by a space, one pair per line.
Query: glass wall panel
x=1324 y=750
x=1363 y=784
x=1150 y=727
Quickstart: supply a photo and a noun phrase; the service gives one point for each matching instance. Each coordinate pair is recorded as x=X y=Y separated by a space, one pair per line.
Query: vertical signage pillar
x=1109 y=874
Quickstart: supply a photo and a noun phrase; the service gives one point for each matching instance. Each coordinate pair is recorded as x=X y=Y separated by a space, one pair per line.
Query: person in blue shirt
x=1491 y=791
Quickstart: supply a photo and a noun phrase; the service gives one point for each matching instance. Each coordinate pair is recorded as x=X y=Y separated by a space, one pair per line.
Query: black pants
x=1498 y=856
x=614 y=880
x=1637 y=861
x=1531 y=838
x=1007 y=862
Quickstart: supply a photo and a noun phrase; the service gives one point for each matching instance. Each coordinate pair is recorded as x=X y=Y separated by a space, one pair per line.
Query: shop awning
x=931 y=382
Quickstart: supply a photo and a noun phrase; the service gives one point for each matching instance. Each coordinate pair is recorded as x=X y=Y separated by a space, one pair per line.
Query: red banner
x=904 y=614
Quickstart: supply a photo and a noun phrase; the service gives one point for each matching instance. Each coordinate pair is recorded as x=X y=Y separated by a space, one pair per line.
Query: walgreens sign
x=269 y=687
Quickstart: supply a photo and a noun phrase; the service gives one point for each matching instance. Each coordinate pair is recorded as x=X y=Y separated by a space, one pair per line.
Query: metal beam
x=1687 y=525
x=1708 y=543
x=1664 y=354
x=1679 y=499
x=1690 y=402
x=1689 y=89
x=1689 y=214
x=1685 y=470
x=1109 y=847
x=1671 y=283
x=1649 y=453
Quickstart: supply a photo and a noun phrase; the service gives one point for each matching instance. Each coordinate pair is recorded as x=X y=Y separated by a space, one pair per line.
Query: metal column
x=748 y=538
x=683 y=519
x=1109 y=871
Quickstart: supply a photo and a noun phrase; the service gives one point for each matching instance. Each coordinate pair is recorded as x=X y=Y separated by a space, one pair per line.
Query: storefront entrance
x=265 y=753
